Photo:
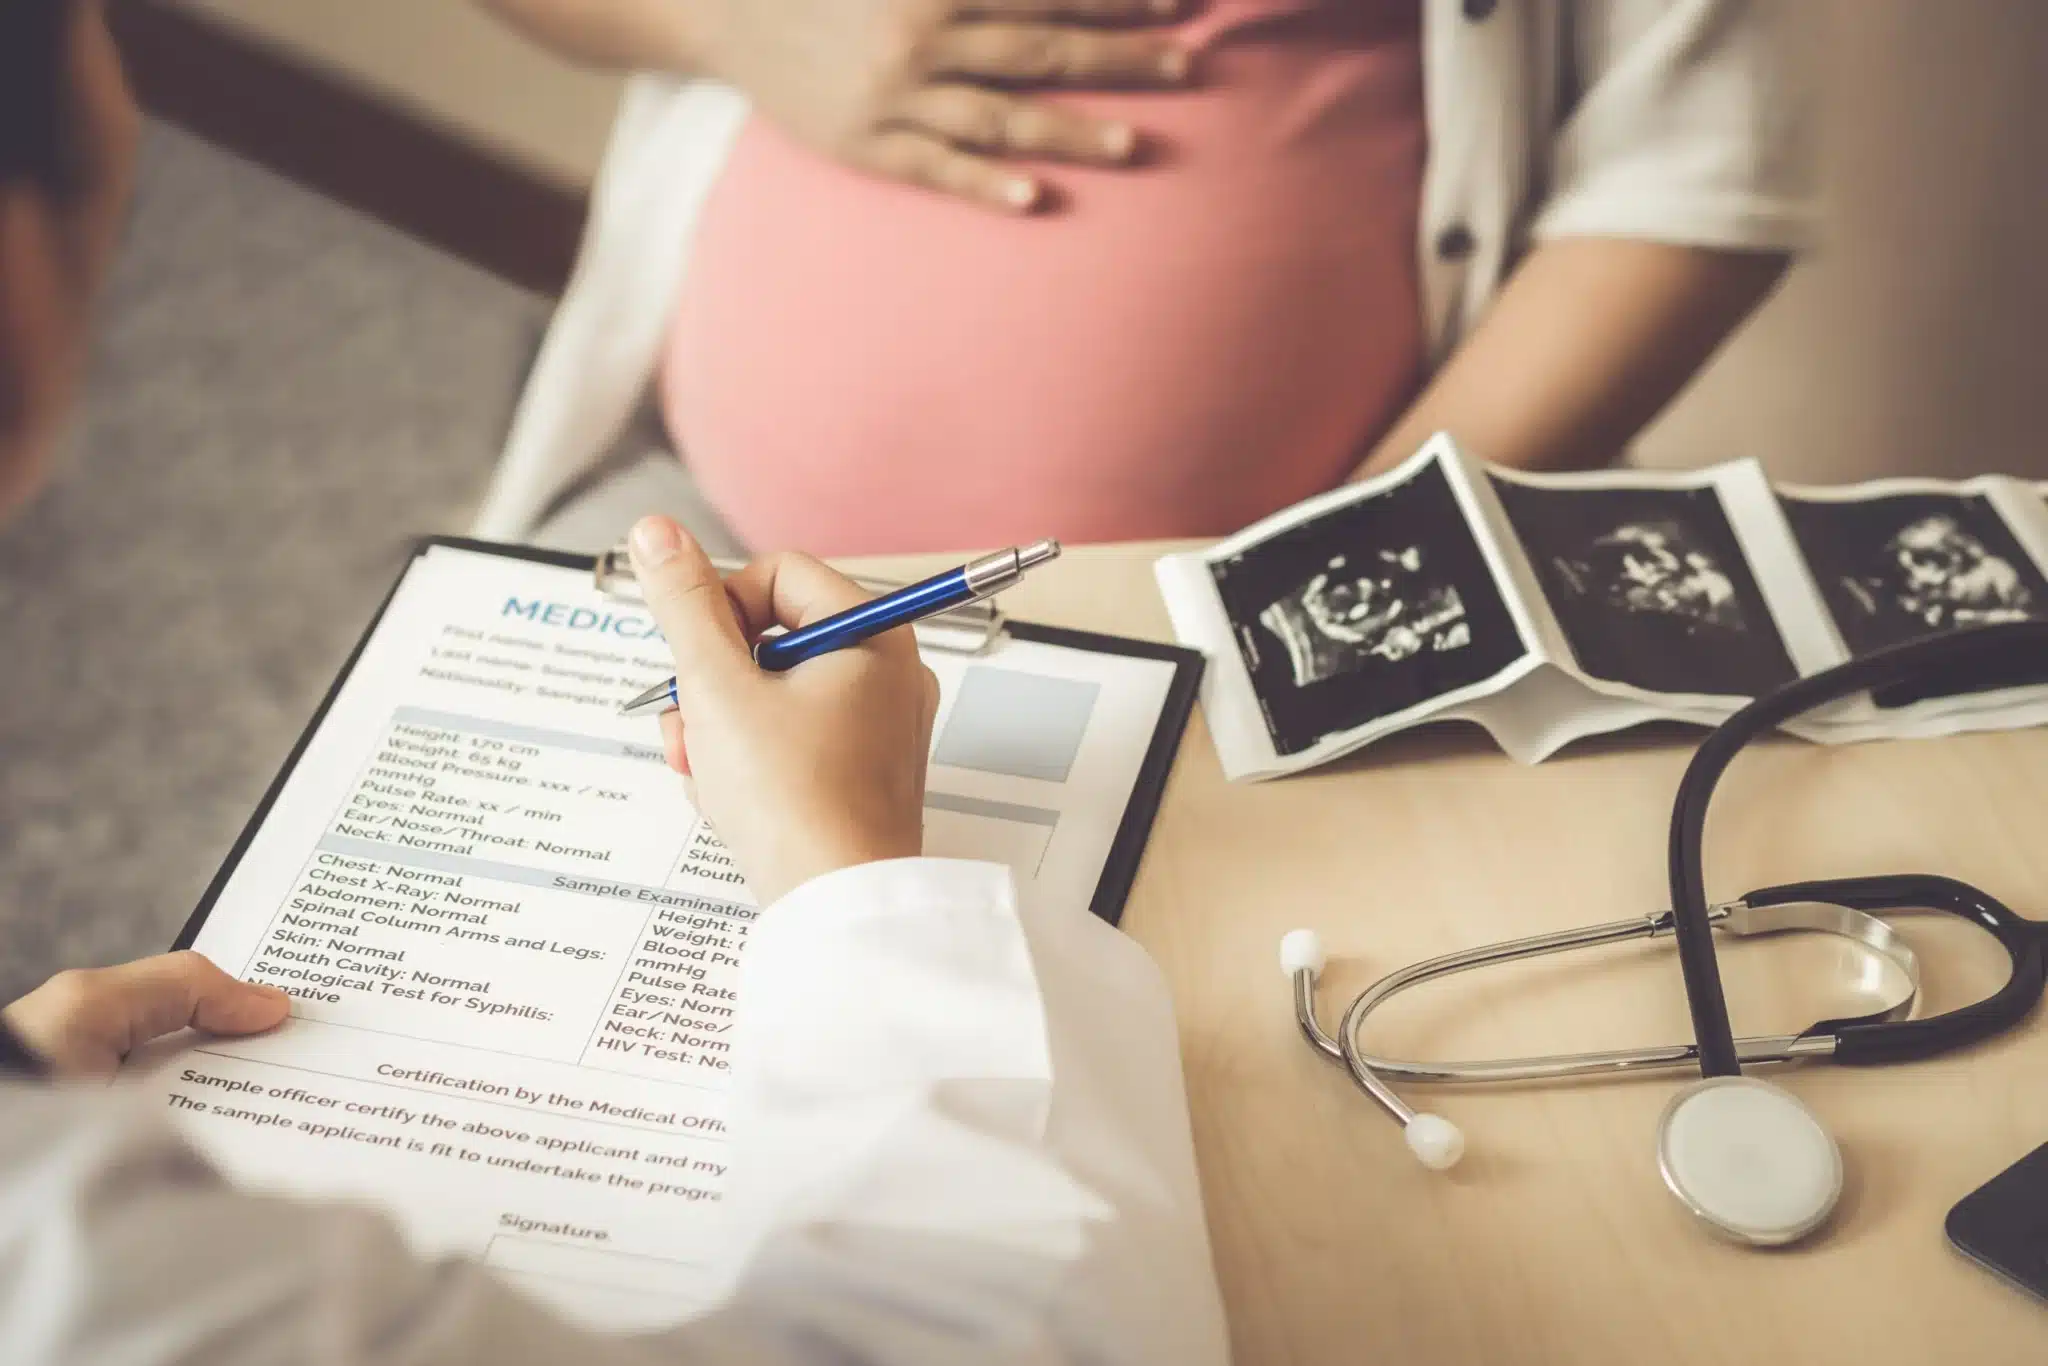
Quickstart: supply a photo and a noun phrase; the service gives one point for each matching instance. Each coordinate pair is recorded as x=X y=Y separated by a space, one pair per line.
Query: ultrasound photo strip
x=1546 y=608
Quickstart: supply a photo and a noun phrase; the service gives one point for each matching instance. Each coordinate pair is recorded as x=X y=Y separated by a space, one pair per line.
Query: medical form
x=513 y=944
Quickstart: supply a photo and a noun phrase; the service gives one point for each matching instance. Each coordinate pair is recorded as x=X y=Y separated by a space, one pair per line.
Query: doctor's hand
x=82 y=1023
x=803 y=772
x=929 y=91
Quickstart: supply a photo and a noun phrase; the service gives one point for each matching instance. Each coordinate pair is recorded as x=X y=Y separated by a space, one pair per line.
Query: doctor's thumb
x=687 y=597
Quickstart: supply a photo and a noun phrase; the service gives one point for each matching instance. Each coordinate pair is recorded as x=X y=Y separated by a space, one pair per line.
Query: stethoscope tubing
x=2015 y=646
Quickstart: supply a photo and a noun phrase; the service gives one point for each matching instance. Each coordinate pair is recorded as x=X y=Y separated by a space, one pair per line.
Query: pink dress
x=858 y=366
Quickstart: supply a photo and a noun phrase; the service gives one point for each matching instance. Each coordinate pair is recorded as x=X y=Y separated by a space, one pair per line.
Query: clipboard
x=973 y=631
x=496 y=909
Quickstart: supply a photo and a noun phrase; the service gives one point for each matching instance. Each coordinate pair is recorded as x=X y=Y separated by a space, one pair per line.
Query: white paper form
x=514 y=944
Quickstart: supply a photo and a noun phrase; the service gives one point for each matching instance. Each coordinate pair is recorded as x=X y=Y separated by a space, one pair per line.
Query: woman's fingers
x=951 y=131
x=1087 y=11
x=1051 y=54
x=920 y=158
x=978 y=119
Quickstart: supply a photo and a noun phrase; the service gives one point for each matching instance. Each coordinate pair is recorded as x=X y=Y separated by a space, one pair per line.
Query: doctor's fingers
x=978 y=119
x=174 y=991
x=689 y=601
x=85 y=1021
x=1036 y=54
x=792 y=589
x=674 y=747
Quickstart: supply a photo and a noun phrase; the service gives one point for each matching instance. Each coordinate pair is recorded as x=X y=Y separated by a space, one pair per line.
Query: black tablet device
x=2003 y=1224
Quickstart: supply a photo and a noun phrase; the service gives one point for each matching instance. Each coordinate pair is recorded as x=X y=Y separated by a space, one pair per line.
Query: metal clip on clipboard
x=968 y=630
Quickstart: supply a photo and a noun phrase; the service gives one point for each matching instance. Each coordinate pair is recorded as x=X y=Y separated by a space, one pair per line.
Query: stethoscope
x=1746 y=1156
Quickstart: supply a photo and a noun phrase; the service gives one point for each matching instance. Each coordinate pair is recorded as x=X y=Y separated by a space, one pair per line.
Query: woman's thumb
x=688 y=600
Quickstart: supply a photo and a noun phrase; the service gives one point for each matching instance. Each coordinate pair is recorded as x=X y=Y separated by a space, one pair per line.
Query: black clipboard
x=1126 y=852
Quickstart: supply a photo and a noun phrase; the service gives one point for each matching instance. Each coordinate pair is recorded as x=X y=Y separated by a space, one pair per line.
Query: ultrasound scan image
x=1369 y=611
x=1650 y=587
x=1656 y=568
x=1938 y=576
x=1385 y=608
x=1898 y=567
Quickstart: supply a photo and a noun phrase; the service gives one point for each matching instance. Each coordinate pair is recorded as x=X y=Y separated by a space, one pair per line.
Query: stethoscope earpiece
x=1302 y=951
x=1436 y=1142
x=1749 y=1159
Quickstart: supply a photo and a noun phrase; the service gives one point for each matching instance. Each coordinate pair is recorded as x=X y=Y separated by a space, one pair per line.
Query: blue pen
x=940 y=593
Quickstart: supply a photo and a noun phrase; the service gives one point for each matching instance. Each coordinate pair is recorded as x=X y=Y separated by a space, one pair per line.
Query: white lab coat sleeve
x=1688 y=121
x=1006 y=1172
x=959 y=1134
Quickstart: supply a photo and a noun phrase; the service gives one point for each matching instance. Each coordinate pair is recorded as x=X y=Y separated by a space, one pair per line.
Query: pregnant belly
x=1176 y=350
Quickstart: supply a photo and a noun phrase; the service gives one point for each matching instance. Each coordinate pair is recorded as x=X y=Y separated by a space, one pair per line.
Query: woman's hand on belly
x=931 y=92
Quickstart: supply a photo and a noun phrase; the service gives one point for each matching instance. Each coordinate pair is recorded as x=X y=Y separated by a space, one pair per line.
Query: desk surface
x=1555 y=1240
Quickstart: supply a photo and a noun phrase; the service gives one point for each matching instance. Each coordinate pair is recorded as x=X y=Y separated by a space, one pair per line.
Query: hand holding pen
x=906 y=606
x=803 y=774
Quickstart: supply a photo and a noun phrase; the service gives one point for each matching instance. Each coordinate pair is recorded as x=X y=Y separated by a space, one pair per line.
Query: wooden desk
x=1556 y=1241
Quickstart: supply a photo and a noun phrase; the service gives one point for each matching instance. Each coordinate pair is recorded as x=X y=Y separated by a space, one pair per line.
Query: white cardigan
x=1673 y=120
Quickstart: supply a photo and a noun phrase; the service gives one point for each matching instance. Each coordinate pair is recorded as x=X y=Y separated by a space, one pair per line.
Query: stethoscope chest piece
x=1749 y=1159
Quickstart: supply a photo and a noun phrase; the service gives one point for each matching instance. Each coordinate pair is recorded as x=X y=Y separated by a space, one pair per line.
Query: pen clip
x=969 y=629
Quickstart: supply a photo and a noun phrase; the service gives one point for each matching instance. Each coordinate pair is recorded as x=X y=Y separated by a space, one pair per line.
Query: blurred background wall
x=450 y=61
x=1917 y=336
x=1916 y=339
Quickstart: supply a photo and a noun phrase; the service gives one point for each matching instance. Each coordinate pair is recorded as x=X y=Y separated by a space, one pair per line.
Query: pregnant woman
x=963 y=272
